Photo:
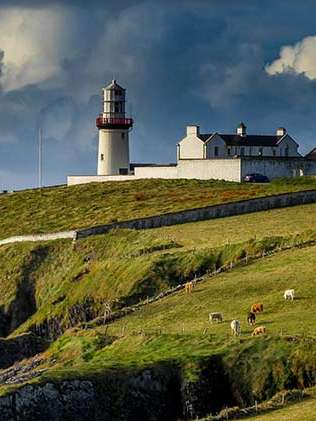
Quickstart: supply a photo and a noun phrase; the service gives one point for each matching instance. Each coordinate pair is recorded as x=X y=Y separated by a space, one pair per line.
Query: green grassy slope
x=303 y=411
x=63 y=208
x=126 y=266
x=233 y=229
x=177 y=329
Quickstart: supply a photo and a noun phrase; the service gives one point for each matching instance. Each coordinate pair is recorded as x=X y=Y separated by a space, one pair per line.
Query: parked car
x=256 y=178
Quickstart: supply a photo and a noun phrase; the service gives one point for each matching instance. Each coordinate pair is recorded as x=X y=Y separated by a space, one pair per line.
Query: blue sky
x=208 y=62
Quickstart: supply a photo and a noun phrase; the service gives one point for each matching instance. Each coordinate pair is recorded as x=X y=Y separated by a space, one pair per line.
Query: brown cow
x=260 y=330
x=256 y=308
x=188 y=286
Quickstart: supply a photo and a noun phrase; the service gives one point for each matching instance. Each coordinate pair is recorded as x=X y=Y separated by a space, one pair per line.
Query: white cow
x=235 y=327
x=289 y=294
x=215 y=317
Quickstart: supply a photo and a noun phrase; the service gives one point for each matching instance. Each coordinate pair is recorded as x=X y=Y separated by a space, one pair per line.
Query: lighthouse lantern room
x=114 y=127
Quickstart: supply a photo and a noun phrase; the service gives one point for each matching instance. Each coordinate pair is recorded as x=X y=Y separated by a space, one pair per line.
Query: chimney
x=193 y=130
x=281 y=131
x=241 y=129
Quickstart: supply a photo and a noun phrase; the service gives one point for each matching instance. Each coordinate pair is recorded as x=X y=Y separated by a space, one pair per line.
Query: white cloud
x=34 y=44
x=299 y=58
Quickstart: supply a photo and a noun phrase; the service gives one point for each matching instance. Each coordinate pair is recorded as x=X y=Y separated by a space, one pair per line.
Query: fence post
x=256 y=406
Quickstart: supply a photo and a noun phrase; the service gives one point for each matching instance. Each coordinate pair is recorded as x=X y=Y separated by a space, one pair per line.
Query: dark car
x=256 y=178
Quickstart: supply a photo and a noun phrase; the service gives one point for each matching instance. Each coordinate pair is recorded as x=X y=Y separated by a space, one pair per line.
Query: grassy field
x=127 y=265
x=124 y=266
x=63 y=208
x=177 y=327
x=233 y=229
x=303 y=411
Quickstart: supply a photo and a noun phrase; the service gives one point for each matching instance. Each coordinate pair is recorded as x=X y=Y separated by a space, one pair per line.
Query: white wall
x=83 y=179
x=216 y=141
x=220 y=169
x=115 y=151
x=191 y=147
x=156 y=172
x=273 y=168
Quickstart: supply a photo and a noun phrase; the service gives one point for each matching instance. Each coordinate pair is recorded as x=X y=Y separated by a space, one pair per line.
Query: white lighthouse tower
x=113 y=153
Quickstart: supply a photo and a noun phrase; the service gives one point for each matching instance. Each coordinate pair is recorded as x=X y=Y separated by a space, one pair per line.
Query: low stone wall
x=39 y=237
x=209 y=212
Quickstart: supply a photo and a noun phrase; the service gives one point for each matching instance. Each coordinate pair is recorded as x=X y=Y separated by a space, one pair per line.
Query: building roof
x=311 y=155
x=246 y=140
x=114 y=85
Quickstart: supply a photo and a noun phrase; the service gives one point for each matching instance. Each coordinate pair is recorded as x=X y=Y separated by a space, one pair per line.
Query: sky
x=208 y=62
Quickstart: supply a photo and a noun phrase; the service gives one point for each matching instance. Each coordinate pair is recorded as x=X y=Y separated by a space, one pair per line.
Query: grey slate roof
x=248 y=140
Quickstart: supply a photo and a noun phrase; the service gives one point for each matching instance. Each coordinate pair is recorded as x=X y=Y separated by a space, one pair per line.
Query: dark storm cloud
x=181 y=62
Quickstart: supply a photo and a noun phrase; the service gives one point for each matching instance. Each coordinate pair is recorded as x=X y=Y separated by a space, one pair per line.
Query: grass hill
x=63 y=208
x=165 y=353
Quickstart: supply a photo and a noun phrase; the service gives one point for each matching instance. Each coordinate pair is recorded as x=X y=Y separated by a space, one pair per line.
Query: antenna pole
x=40 y=145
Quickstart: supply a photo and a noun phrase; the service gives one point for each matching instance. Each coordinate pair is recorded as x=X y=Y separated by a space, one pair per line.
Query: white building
x=202 y=156
x=217 y=145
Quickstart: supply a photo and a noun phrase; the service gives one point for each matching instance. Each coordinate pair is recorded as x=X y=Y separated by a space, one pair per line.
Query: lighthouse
x=114 y=127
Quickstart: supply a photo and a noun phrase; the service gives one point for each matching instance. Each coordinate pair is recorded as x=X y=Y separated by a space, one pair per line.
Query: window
x=260 y=151
x=273 y=152
x=123 y=171
x=123 y=135
x=228 y=151
x=287 y=151
x=102 y=157
x=242 y=151
x=216 y=151
x=116 y=107
x=118 y=92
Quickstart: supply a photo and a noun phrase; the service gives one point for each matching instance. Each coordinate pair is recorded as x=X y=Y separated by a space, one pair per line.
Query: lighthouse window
x=102 y=157
x=117 y=108
x=123 y=135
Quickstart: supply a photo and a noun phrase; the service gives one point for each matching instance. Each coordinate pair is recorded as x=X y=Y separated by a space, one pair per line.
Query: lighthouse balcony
x=113 y=123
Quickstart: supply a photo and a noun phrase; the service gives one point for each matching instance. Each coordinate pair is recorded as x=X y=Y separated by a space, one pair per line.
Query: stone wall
x=209 y=212
x=39 y=237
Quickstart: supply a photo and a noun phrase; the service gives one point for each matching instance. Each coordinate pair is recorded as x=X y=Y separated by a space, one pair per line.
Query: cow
x=215 y=317
x=256 y=308
x=235 y=327
x=251 y=318
x=188 y=286
x=289 y=294
x=260 y=330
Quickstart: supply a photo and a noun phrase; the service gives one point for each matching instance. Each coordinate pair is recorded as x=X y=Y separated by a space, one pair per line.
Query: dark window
x=287 y=151
x=273 y=152
x=123 y=171
x=102 y=157
x=117 y=92
x=260 y=151
x=228 y=151
x=123 y=135
x=116 y=107
x=242 y=151
x=216 y=151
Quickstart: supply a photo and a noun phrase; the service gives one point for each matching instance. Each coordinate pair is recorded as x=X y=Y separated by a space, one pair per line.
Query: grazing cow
x=256 y=308
x=260 y=330
x=251 y=318
x=289 y=294
x=235 y=327
x=188 y=286
x=215 y=317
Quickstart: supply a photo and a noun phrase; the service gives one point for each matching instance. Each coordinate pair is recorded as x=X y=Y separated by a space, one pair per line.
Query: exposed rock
x=20 y=347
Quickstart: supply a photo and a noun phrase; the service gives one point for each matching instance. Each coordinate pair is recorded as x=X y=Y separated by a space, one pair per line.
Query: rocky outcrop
x=20 y=347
